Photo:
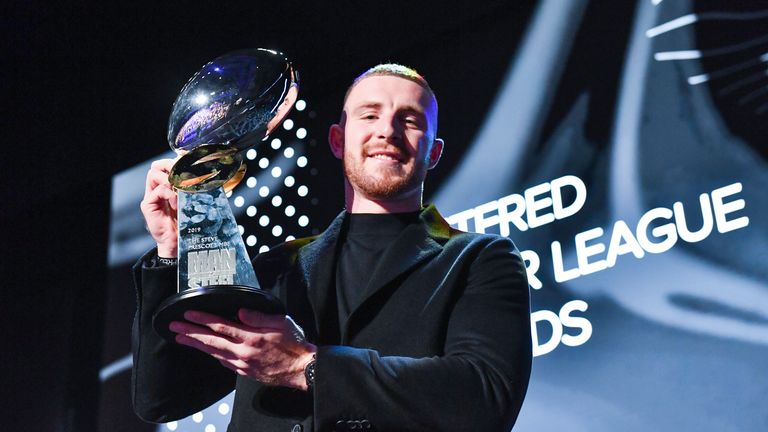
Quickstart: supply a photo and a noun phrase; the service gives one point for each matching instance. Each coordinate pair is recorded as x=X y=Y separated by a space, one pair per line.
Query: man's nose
x=388 y=128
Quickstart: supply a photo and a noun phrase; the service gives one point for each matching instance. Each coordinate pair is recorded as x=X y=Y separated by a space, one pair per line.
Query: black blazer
x=439 y=342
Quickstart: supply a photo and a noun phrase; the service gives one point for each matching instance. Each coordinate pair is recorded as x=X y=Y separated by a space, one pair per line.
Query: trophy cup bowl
x=230 y=105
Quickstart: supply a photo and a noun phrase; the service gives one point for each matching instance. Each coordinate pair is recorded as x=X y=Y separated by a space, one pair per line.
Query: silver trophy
x=232 y=104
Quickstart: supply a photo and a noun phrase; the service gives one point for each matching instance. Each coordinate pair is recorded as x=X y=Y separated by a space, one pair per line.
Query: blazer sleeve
x=169 y=381
x=478 y=384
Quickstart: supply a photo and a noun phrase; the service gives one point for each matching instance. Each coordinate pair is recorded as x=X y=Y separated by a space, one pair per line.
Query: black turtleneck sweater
x=365 y=239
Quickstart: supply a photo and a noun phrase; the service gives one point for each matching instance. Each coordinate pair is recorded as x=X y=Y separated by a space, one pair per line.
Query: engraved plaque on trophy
x=232 y=104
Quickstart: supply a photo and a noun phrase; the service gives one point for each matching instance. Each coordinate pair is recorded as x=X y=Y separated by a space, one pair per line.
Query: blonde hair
x=396 y=70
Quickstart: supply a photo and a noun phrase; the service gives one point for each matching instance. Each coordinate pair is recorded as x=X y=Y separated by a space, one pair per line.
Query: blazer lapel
x=317 y=262
x=413 y=246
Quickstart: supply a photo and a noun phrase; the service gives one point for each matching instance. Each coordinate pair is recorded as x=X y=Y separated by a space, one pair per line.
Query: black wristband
x=159 y=261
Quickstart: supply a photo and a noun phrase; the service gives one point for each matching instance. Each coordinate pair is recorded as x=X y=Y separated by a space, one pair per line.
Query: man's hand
x=267 y=348
x=159 y=208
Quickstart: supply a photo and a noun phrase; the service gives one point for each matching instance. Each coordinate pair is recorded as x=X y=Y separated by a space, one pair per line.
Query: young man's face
x=387 y=139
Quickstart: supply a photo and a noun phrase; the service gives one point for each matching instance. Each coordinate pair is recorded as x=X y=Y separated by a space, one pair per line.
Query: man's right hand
x=159 y=208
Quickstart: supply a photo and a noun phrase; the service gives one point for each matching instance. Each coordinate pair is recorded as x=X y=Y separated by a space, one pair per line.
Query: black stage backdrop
x=620 y=144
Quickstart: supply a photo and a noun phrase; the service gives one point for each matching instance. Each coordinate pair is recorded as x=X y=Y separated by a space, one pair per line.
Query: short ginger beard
x=384 y=187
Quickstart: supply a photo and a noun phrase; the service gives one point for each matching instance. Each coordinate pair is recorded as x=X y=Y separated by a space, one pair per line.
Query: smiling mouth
x=384 y=157
x=386 y=154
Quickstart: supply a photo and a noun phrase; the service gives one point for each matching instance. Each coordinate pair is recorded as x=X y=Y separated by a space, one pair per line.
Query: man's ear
x=336 y=140
x=435 y=152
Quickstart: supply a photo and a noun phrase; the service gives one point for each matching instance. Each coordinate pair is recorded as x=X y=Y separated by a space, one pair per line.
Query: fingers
x=157 y=198
x=204 y=340
x=269 y=348
x=164 y=165
x=231 y=354
x=173 y=200
x=159 y=210
x=160 y=202
x=229 y=365
x=225 y=358
x=218 y=325
x=260 y=320
x=158 y=174
x=274 y=327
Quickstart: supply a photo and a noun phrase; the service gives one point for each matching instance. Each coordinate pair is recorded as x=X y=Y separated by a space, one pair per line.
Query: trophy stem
x=215 y=272
x=211 y=249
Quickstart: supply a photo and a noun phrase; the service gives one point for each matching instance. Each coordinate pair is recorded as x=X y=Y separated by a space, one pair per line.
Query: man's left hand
x=268 y=348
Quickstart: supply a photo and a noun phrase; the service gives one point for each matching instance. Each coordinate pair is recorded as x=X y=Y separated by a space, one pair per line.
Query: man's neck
x=356 y=202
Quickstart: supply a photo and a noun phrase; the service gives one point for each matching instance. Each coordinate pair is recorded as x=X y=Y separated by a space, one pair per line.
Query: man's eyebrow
x=414 y=110
x=366 y=105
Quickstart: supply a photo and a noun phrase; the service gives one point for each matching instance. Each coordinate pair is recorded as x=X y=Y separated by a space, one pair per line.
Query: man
x=409 y=324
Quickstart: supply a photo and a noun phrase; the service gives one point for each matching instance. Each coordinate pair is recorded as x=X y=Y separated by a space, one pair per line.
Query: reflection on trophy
x=232 y=104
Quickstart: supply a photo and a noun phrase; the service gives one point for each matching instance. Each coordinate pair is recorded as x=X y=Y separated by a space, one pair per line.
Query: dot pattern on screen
x=274 y=202
x=212 y=419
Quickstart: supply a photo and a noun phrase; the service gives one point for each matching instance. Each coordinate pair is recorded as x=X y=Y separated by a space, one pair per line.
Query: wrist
x=164 y=251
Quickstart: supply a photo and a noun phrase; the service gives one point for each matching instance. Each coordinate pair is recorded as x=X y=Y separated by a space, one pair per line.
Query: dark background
x=88 y=88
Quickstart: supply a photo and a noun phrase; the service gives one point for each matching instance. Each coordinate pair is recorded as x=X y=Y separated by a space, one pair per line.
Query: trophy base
x=222 y=300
